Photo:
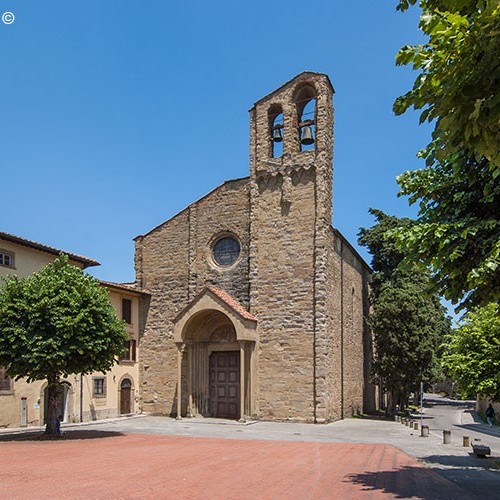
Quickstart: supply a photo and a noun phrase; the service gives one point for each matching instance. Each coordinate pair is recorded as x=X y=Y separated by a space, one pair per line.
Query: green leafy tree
x=407 y=322
x=472 y=352
x=57 y=322
x=457 y=234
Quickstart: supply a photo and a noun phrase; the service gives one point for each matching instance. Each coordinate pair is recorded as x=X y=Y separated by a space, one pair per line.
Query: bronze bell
x=306 y=135
x=277 y=135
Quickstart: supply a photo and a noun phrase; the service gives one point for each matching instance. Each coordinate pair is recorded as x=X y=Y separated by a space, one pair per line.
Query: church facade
x=257 y=304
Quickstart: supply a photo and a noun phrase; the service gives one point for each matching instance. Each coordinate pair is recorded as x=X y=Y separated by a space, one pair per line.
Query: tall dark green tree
x=55 y=323
x=457 y=234
x=407 y=322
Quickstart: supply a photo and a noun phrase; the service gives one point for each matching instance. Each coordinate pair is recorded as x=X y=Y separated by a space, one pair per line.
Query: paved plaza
x=92 y=464
x=144 y=457
x=160 y=457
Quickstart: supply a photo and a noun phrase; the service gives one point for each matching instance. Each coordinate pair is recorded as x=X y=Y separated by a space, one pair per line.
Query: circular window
x=226 y=251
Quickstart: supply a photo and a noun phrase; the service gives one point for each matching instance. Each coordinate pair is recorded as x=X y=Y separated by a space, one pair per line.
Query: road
x=453 y=461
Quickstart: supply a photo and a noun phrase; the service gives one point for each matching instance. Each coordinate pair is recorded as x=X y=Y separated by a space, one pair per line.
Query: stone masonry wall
x=285 y=308
x=173 y=264
x=291 y=199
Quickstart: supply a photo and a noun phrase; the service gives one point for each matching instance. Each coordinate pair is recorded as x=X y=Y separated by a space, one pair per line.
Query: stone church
x=257 y=304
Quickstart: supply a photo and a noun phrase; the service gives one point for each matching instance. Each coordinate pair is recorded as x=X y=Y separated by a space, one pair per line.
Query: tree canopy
x=472 y=353
x=457 y=234
x=54 y=323
x=408 y=327
x=407 y=322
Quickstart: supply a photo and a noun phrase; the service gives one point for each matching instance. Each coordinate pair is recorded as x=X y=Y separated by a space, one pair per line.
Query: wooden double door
x=225 y=384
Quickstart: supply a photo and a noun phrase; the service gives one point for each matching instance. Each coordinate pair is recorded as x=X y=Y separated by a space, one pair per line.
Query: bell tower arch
x=291 y=175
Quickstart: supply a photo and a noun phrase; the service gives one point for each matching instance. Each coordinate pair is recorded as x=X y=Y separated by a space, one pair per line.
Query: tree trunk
x=52 y=427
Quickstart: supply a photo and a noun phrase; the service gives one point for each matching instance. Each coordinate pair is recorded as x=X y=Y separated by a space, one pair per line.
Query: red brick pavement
x=158 y=466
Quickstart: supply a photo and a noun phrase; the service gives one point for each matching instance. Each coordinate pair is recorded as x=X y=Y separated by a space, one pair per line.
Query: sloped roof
x=126 y=287
x=45 y=248
x=231 y=302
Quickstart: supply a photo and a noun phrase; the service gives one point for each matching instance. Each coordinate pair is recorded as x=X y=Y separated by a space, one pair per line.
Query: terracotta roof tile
x=128 y=287
x=231 y=302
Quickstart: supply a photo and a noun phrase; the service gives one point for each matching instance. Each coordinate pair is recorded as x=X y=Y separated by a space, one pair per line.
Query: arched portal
x=215 y=337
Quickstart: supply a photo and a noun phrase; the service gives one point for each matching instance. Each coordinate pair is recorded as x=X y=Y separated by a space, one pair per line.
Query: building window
x=5 y=381
x=99 y=387
x=127 y=311
x=129 y=351
x=226 y=251
x=6 y=259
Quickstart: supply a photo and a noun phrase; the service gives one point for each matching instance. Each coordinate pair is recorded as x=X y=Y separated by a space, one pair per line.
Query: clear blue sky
x=116 y=114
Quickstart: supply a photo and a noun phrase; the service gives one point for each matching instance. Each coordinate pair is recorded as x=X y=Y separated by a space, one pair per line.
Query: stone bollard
x=466 y=441
x=446 y=437
x=425 y=431
x=415 y=426
x=407 y=422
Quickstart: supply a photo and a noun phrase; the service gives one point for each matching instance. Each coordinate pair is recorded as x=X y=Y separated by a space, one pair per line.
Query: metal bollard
x=425 y=431
x=446 y=437
x=466 y=441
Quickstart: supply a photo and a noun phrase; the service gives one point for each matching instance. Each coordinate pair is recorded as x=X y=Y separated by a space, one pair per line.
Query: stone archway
x=216 y=338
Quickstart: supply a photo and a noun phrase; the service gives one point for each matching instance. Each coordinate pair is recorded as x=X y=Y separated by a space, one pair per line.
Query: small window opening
x=5 y=381
x=129 y=351
x=276 y=123
x=6 y=259
x=306 y=112
x=127 y=311
x=99 y=387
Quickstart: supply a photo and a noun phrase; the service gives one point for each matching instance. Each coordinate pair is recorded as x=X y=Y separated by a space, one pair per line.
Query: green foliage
x=57 y=322
x=407 y=322
x=472 y=352
x=408 y=328
x=458 y=88
x=458 y=85
x=458 y=230
x=382 y=245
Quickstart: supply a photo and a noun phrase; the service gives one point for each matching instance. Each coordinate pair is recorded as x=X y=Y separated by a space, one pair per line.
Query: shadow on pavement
x=469 y=460
x=480 y=428
x=67 y=436
x=410 y=482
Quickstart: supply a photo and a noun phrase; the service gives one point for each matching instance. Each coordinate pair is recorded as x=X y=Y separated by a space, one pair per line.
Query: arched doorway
x=125 y=396
x=215 y=336
x=213 y=365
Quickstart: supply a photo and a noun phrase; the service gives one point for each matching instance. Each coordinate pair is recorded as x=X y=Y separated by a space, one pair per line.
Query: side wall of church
x=352 y=330
x=329 y=359
x=173 y=263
